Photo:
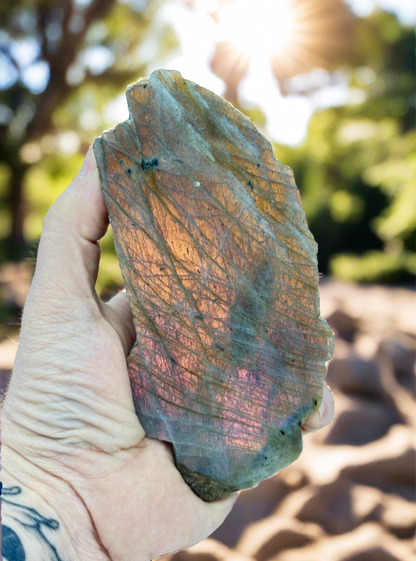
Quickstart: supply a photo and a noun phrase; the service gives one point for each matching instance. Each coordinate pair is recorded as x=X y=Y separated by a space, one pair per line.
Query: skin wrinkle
x=121 y=328
x=80 y=328
x=64 y=305
x=24 y=484
x=87 y=262
x=81 y=415
x=66 y=441
x=129 y=451
x=83 y=407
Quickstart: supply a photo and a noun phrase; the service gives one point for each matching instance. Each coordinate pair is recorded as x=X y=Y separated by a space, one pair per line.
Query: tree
x=48 y=49
x=357 y=167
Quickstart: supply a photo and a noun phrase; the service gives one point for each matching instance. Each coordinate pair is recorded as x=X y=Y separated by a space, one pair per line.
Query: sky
x=287 y=117
x=405 y=9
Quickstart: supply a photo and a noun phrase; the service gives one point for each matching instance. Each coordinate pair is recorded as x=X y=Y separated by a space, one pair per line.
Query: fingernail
x=89 y=164
x=321 y=410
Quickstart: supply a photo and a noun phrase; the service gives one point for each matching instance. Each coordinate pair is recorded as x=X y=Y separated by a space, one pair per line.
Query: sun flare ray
x=295 y=36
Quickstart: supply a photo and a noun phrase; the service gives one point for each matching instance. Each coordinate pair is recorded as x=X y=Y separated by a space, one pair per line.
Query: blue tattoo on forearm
x=11 y=546
x=29 y=519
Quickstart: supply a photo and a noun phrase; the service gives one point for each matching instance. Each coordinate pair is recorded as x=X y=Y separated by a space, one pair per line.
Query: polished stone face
x=221 y=272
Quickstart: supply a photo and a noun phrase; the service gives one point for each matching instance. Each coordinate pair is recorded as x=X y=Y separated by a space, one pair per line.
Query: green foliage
x=44 y=134
x=374 y=266
x=357 y=168
x=53 y=173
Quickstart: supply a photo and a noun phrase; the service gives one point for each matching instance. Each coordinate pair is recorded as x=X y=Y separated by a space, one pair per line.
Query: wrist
x=45 y=514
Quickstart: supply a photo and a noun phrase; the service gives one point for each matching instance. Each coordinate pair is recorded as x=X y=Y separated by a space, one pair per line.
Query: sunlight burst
x=292 y=36
x=258 y=29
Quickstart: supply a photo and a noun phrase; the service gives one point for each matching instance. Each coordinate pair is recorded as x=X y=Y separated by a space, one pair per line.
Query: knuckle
x=57 y=217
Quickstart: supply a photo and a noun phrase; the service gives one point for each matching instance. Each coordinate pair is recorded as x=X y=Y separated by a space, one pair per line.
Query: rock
x=411 y=545
x=265 y=539
x=8 y=350
x=361 y=421
x=399 y=516
x=330 y=506
x=368 y=542
x=343 y=324
x=207 y=550
x=375 y=553
x=400 y=350
x=357 y=376
x=338 y=507
x=366 y=504
x=379 y=310
x=324 y=464
x=258 y=503
x=15 y=279
x=4 y=380
x=221 y=272
x=342 y=349
x=392 y=474
x=366 y=345
x=292 y=479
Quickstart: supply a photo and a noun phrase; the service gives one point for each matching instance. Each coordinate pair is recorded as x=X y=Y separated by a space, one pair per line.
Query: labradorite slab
x=221 y=272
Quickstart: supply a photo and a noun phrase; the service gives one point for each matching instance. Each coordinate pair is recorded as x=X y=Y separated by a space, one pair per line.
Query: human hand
x=71 y=439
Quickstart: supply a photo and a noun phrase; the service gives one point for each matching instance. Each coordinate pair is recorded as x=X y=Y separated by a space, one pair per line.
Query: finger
x=68 y=255
x=325 y=414
x=118 y=312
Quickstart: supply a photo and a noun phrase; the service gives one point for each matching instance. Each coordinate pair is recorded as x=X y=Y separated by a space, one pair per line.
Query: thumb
x=69 y=254
x=324 y=416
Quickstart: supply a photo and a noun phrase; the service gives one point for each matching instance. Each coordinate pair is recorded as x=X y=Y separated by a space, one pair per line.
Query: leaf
x=221 y=272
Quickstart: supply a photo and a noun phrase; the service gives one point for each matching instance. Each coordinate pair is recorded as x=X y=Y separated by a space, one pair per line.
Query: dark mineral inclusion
x=221 y=272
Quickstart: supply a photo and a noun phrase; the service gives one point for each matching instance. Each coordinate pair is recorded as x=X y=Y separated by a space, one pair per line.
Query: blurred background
x=331 y=84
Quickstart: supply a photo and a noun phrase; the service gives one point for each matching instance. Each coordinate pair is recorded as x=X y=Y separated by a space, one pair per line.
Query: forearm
x=42 y=517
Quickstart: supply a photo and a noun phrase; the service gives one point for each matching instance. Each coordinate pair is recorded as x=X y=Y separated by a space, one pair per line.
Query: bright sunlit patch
x=257 y=28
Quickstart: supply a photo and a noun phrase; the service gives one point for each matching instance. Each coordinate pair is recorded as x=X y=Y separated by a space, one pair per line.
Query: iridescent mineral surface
x=221 y=272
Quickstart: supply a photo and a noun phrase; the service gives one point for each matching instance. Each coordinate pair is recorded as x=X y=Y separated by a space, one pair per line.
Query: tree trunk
x=16 y=242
